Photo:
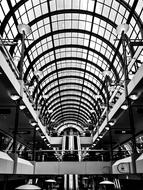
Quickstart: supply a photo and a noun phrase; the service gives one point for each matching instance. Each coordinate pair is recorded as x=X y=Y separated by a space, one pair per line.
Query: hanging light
x=45 y=96
x=50 y=111
x=24 y=28
x=98 y=97
x=28 y=187
x=16 y=59
x=107 y=73
x=38 y=73
x=122 y=28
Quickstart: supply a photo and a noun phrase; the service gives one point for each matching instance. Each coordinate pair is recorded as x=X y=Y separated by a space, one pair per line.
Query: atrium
x=71 y=94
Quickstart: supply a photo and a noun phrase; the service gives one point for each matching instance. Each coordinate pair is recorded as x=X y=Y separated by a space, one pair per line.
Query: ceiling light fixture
x=107 y=128
x=107 y=73
x=16 y=59
x=38 y=73
x=100 y=136
x=122 y=28
x=98 y=96
x=24 y=28
x=15 y=97
x=33 y=123
x=134 y=96
x=124 y=107
x=112 y=122
x=92 y=111
x=106 y=182
x=50 y=111
x=45 y=96
x=50 y=181
x=28 y=187
x=22 y=107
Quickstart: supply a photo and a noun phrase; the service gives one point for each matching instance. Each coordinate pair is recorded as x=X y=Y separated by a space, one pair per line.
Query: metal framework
x=71 y=43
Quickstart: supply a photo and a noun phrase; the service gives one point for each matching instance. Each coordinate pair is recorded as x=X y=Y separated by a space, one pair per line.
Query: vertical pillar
x=79 y=148
x=76 y=182
x=107 y=83
x=34 y=143
x=5 y=182
x=130 y=111
x=65 y=182
x=71 y=183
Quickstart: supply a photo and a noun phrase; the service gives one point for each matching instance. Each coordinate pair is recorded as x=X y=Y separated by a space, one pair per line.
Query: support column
x=130 y=111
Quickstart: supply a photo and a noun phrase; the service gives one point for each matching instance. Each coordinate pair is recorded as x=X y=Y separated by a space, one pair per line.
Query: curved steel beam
x=65 y=90
x=62 y=128
x=74 y=117
x=69 y=68
x=68 y=109
x=69 y=123
x=70 y=46
x=70 y=118
x=77 y=31
x=54 y=101
x=58 y=107
x=72 y=101
x=82 y=112
x=45 y=106
x=66 y=77
x=71 y=112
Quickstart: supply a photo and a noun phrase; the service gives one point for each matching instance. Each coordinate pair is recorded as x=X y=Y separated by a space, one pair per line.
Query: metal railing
x=58 y=155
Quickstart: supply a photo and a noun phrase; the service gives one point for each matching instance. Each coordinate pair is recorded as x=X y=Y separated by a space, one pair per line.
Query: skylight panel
x=112 y=15
x=98 y=8
x=91 y=5
x=44 y=7
x=88 y=26
x=5 y=5
x=2 y=15
x=95 y=28
x=75 y=4
x=53 y=5
x=84 y=5
x=82 y=25
x=31 y=15
x=106 y=11
x=67 y=4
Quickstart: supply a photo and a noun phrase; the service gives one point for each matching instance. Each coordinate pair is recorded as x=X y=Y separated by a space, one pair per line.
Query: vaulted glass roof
x=72 y=42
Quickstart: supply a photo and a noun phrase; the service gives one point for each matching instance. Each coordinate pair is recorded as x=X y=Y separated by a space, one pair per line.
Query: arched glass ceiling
x=72 y=43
